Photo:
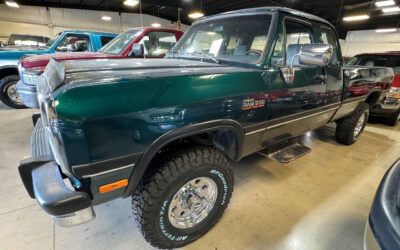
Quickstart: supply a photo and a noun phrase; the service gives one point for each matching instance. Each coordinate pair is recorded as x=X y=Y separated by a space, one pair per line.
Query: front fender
x=179 y=133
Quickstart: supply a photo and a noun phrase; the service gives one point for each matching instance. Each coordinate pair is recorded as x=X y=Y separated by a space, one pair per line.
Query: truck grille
x=39 y=141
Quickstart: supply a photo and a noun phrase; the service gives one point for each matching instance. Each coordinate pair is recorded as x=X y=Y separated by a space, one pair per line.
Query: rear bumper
x=385 y=211
x=28 y=94
x=43 y=181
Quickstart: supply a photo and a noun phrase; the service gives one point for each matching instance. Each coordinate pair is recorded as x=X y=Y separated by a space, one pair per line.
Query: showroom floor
x=320 y=201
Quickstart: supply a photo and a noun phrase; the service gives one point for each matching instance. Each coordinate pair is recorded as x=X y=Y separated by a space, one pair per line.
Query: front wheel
x=184 y=197
x=349 y=129
x=8 y=92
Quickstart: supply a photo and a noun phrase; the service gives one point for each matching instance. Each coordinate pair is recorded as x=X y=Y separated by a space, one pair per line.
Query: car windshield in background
x=377 y=60
x=52 y=41
x=241 y=38
x=118 y=44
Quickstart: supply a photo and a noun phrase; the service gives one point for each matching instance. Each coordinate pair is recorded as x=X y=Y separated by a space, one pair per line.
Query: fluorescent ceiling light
x=12 y=4
x=156 y=25
x=355 y=18
x=386 y=30
x=392 y=9
x=106 y=18
x=131 y=3
x=196 y=15
x=384 y=3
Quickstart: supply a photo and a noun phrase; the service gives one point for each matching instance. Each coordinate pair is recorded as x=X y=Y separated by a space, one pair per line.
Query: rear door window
x=105 y=39
x=328 y=37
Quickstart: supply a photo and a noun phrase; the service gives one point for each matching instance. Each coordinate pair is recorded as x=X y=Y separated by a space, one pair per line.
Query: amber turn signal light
x=113 y=186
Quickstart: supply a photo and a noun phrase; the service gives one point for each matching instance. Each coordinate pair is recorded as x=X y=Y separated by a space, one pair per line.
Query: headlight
x=394 y=90
x=30 y=77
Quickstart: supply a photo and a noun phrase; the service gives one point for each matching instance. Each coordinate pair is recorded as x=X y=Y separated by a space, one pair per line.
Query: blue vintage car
x=66 y=41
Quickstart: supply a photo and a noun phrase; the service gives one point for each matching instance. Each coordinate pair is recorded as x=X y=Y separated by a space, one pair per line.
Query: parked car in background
x=165 y=131
x=66 y=41
x=19 y=40
x=388 y=106
x=156 y=43
x=383 y=228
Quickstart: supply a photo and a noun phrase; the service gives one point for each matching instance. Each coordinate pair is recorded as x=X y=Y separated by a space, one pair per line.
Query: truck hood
x=101 y=71
x=39 y=62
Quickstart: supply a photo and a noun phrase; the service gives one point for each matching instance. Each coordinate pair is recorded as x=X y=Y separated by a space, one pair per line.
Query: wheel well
x=8 y=71
x=372 y=99
x=224 y=140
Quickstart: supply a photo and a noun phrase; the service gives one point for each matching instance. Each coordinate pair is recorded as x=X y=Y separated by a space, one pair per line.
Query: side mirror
x=137 y=50
x=316 y=54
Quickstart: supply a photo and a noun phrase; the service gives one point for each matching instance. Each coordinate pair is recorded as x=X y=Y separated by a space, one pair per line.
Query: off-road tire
x=393 y=119
x=151 y=199
x=346 y=126
x=4 y=84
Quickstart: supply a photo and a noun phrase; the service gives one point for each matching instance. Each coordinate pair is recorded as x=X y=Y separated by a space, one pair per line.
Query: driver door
x=296 y=91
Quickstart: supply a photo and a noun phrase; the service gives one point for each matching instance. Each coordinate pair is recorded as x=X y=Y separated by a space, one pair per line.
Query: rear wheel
x=184 y=197
x=349 y=129
x=394 y=118
x=8 y=92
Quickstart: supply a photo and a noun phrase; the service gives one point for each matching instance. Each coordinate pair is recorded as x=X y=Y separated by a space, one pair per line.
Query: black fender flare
x=179 y=133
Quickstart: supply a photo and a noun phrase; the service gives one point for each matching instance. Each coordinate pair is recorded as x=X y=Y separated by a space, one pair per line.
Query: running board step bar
x=287 y=154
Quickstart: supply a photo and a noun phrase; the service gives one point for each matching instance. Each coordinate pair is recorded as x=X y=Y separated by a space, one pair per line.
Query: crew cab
x=388 y=106
x=165 y=131
x=66 y=41
x=156 y=43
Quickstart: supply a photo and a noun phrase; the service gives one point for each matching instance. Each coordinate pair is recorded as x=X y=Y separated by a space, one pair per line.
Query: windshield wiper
x=205 y=56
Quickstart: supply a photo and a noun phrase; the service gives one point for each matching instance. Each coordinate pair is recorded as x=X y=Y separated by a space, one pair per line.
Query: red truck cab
x=156 y=43
x=388 y=107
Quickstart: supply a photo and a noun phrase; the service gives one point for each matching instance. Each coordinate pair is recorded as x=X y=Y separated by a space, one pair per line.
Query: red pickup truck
x=154 y=42
x=389 y=106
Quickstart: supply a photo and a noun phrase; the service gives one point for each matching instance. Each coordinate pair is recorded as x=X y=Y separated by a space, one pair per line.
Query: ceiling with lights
x=382 y=15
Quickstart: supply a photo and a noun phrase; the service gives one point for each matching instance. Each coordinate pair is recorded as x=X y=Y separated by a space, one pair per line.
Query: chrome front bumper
x=28 y=94
x=44 y=181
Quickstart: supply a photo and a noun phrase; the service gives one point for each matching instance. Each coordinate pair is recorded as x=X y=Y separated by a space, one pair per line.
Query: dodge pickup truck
x=388 y=107
x=165 y=131
x=156 y=42
x=66 y=41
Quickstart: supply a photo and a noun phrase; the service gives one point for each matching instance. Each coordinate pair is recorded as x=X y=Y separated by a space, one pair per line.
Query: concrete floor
x=320 y=201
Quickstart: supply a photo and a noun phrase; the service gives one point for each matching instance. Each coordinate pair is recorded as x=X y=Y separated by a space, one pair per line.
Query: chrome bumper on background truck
x=383 y=227
x=43 y=181
x=28 y=94
x=385 y=107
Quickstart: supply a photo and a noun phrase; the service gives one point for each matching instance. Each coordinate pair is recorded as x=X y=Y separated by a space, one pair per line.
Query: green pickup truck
x=165 y=131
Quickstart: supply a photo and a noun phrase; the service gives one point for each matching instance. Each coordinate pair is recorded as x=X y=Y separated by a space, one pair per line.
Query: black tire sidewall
x=4 y=85
x=172 y=235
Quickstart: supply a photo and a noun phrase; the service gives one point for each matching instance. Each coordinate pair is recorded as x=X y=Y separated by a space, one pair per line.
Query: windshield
x=118 y=44
x=52 y=41
x=241 y=38
x=377 y=60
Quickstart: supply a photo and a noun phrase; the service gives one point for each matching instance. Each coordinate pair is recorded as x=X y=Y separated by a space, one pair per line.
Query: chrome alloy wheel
x=359 y=126
x=192 y=203
x=12 y=93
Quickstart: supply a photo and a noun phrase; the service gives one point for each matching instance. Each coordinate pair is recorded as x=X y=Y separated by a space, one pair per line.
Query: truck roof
x=89 y=31
x=267 y=10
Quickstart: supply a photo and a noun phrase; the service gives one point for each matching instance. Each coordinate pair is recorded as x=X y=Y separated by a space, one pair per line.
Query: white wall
x=40 y=21
x=365 y=41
